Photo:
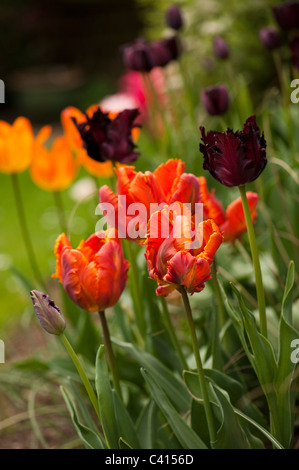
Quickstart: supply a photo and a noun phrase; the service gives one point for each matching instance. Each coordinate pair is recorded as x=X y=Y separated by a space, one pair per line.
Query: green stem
x=25 y=231
x=256 y=262
x=172 y=334
x=135 y=287
x=60 y=211
x=108 y=348
x=201 y=376
x=81 y=371
x=219 y=299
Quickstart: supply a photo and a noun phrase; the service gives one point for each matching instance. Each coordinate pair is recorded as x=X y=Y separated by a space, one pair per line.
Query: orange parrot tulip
x=175 y=260
x=94 y=274
x=16 y=145
x=52 y=169
x=166 y=185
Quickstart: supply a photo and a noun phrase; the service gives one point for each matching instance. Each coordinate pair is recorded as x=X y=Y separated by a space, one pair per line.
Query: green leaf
x=145 y=425
x=90 y=438
x=230 y=434
x=261 y=429
x=123 y=444
x=172 y=385
x=125 y=425
x=105 y=399
x=284 y=380
x=262 y=357
x=185 y=435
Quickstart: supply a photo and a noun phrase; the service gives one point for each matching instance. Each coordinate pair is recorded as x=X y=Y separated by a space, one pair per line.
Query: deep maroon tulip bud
x=137 y=56
x=215 y=100
x=49 y=315
x=174 y=18
x=221 y=48
x=160 y=53
x=234 y=158
x=287 y=15
x=109 y=139
x=270 y=38
x=294 y=46
x=174 y=46
x=165 y=50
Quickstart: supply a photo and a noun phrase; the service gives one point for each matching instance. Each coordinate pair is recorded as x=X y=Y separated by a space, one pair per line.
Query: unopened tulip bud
x=270 y=38
x=174 y=18
x=49 y=315
x=215 y=100
x=221 y=48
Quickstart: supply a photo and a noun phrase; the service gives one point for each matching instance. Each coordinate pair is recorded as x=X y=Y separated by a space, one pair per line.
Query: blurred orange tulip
x=172 y=261
x=52 y=169
x=95 y=274
x=16 y=145
x=232 y=221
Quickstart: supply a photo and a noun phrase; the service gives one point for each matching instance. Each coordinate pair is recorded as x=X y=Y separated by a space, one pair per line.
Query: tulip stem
x=200 y=370
x=108 y=348
x=60 y=210
x=256 y=263
x=172 y=333
x=134 y=285
x=25 y=231
x=81 y=372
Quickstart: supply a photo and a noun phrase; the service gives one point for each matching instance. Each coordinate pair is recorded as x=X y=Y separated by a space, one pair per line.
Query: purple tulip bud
x=137 y=56
x=270 y=38
x=49 y=315
x=234 y=158
x=174 y=18
x=287 y=15
x=294 y=46
x=221 y=48
x=215 y=100
x=160 y=53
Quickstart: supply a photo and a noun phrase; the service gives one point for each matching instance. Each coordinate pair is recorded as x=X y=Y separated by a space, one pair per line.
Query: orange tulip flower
x=94 y=274
x=167 y=184
x=174 y=260
x=52 y=169
x=16 y=145
x=232 y=220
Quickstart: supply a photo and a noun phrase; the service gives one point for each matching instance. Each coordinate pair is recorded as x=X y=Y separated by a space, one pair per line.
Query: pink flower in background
x=132 y=84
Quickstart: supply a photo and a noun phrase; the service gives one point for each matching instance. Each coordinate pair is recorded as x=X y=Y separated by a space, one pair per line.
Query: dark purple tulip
x=215 y=100
x=294 y=46
x=137 y=56
x=174 y=18
x=234 y=158
x=287 y=15
x=270 y=38
x=221 y=48
x=49 y=315
x=161 y=53
x=109 y=139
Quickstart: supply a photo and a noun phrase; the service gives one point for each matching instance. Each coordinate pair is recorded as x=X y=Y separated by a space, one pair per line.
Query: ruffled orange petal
x=167 y=176
x=61 y=243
